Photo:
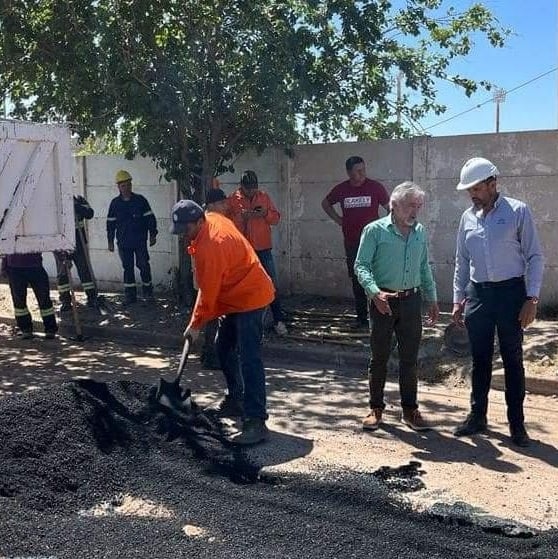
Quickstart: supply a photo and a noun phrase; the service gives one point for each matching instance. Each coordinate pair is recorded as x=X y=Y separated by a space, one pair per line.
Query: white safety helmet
x=476 y=170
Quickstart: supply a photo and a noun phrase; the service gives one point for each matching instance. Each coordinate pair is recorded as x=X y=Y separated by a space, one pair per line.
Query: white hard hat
x=476 y=170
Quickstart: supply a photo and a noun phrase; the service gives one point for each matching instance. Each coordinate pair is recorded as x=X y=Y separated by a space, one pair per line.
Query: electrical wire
x=520 y=86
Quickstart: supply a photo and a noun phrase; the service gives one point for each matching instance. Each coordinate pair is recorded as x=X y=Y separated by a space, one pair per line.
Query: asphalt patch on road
x=404 y=479
x=462 y=514
x=98 y=470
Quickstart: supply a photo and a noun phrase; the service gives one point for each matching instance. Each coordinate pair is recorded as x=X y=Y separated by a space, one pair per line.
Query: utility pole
x=5 y=100
x=399 y=98
x=499 y=97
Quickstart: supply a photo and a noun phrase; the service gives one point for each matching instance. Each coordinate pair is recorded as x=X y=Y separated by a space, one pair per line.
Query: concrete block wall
x=94 y=179
x=308 y=246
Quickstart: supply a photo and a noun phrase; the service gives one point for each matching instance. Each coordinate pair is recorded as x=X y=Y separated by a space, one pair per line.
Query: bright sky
x=531 y=51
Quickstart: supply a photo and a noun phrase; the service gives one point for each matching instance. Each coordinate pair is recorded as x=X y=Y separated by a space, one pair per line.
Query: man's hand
x=193 y=333
x=433 y=314
x=330 y=211
x=111 y=247
x=152 y=240
x=527 y=313
x=381 y=301
x=457 y=313
x=259 y=212
x=251 y=214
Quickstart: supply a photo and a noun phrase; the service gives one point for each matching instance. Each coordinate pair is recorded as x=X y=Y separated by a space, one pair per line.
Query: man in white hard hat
x=498 y=276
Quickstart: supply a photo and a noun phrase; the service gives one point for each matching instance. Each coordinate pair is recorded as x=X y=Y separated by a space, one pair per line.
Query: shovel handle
x=183 y=358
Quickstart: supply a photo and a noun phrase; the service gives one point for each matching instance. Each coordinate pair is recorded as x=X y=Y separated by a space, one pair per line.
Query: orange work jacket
x=228 y=272
x=256 y=229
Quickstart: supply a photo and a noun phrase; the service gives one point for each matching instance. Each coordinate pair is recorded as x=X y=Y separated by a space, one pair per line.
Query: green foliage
x=196 y=82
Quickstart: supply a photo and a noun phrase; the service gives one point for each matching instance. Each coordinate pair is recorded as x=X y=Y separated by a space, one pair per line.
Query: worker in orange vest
x=234 y=287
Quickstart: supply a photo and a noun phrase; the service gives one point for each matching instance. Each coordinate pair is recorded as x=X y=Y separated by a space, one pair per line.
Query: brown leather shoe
x=414 y=420
x=372 y=421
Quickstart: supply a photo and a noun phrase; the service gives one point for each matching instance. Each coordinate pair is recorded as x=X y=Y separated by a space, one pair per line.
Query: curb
x=326 y=358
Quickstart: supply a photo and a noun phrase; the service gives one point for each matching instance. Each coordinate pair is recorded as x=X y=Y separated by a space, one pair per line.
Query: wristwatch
x=534 y=300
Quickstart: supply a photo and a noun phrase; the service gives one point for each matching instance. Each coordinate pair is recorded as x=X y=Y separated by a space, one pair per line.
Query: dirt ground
x=317 y=396
x=323 y=406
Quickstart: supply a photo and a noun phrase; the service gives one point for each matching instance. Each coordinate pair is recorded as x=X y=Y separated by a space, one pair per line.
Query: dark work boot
x=472 y=425
x=519 y=436
x=130 y=295
x=254 y=431
x=26 y=335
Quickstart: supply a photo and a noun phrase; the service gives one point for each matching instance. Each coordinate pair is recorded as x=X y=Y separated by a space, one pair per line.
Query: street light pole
x=499 y=97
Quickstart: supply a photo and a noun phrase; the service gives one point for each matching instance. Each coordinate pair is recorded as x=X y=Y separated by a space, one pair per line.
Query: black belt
x=403 y=293
x=496 y=284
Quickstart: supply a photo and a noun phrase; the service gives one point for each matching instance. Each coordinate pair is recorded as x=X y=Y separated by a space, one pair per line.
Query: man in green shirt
x=392 y=266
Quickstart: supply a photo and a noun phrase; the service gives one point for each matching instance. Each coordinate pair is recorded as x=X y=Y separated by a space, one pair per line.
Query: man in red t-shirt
x=360 y=199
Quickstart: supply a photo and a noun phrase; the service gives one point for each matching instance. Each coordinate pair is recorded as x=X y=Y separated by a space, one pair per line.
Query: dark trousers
x=79 y=258
x=239 y=340
x=406 y=322
x=487 y=310
x=361 y=301
x=139 y=256
x=209 y=357
x=36 y=278
x=266 y=258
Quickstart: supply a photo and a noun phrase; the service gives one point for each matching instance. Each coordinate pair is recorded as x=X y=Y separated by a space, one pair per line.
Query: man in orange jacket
x=253 y=212
x=233 y=286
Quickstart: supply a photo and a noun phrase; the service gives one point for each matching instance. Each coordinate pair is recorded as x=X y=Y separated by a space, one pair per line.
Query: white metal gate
x=36 y=206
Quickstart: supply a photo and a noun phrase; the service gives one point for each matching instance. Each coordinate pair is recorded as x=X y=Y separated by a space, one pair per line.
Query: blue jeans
x=494 y=308
x=266 y=259
x=239 y=341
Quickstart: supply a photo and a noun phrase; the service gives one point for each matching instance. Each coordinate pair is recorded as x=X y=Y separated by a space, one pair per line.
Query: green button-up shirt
x=387 y=259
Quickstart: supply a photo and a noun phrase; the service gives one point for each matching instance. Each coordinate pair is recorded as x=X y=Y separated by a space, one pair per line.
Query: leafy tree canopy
x=195 y=82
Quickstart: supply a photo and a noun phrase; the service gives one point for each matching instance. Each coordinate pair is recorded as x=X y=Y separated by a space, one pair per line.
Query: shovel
x=77 y=323
x=170 y=394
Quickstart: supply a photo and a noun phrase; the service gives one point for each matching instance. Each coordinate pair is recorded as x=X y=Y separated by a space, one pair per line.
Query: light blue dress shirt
x=502 y=245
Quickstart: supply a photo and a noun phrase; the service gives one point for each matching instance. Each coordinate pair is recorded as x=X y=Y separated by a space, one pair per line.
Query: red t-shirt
x=359 y=205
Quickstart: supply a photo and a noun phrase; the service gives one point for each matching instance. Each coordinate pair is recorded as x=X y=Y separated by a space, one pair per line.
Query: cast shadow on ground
x=435 y=446
x=280 y=448
x=537 y=449
x=38 y=363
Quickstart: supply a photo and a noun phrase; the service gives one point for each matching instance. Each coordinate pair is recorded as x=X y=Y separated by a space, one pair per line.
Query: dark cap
x=184 y=212
x=215 y=195
x=249 y=179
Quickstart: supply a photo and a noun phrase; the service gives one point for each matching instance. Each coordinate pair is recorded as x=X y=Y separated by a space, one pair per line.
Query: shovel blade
x=170 y=395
